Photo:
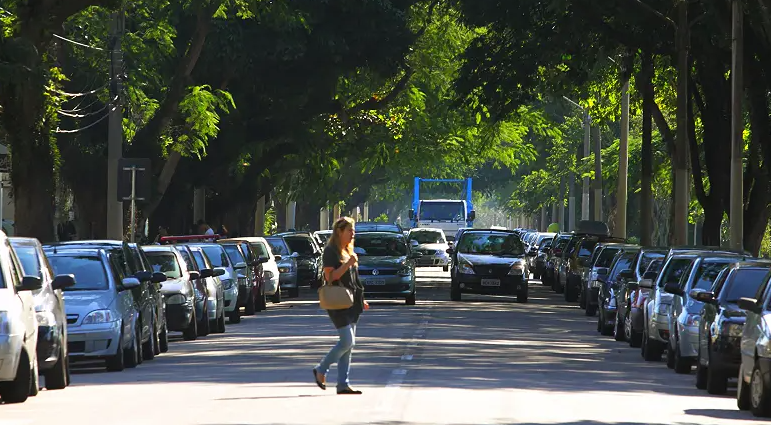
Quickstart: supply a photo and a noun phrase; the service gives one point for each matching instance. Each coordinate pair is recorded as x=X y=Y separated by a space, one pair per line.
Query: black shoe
x=321 y=385
x=348 y=390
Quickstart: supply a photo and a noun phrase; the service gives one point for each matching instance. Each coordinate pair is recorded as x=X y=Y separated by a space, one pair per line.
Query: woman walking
x=341 y=264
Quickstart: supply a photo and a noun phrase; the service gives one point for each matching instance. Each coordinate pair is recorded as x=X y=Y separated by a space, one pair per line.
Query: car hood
x=84 y=302
x=434 y=246
x=476 y=259
x=381 y=261
x=175 y=286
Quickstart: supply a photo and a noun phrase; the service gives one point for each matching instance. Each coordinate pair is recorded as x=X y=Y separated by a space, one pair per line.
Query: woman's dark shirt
x=350 y=280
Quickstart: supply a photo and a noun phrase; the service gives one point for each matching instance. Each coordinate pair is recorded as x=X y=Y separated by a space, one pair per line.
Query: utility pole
x=646 y=152
x=587 y=142
x=597 y=173
x=623 y=161
x=561 y=199
x=737 y=128
x=115 y=129
x=682 y=180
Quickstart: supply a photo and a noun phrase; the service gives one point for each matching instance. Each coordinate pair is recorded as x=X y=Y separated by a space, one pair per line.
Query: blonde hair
x=341 y=224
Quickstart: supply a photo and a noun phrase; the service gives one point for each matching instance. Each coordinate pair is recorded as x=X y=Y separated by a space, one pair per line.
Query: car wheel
x=760 y=393
x=683 y=365
x=17 y=391
x=455 y=292
x=262 y=303
x=163 y=339
x=670 y=356
x=56 y=378
x=251 y=306
x=191 y=332
x=34 y=383
x=133 y=356
x=701 y=376
x=571 y=293
x=410 y=300
x=115 y=363
x=235 y=316
x=149 y=347
x=276 y=298
x=221 y=323
x=204 y=326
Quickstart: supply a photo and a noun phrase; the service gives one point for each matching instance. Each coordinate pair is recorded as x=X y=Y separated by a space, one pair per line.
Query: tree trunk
x=646 y=154
x=33 y=190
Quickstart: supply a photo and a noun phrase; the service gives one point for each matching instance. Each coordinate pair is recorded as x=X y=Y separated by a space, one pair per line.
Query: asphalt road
x=485 y=360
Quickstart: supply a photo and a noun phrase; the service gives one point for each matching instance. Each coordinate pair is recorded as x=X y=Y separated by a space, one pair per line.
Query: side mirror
x=415 y=255
x=650 y=275
x=143 y=276
x=241 y=265
x=263 y=260
x=749 y=304
x=413 y=243
x=603 y=271
x=295 y=254
x=63 y=281
x=130 y=283
x=277 y=257
x=472 y=215
x=158 y=277
x=645 y=284
x=674 y=289
x=194 y=275
x=30 y=283
x=206 y=273
x=449 y=251
x=218 y=271
x=411 y=214
x=702 y=296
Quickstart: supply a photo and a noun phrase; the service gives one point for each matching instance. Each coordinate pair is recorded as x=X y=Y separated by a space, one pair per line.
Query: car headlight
x=517 y=269
x=284 y=269
x=45 y=318
x=228 y=283
x=98 y=316
x=692 y=319
x=176 y=299
x=404 y=271
x=662 y=309
x=267 y=274
x=733 y=329
x=465 y=268
x=5 y=323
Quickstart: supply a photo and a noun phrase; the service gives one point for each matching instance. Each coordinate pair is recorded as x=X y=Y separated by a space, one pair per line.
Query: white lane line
x=407 y=357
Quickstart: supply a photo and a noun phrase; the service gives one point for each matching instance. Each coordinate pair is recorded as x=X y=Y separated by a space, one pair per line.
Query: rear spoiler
x=188 y=238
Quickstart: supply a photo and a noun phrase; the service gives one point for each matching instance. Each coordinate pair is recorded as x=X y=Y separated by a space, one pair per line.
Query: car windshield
x=427 y=236
x=606 y=257
x=587 y=248
x=623 y=263
x=260 y=248
x=708 y=271
x=744 y=282
x=278 y=246
x=491 y=243
x=199 y=260
x=300 y=244
x=655 y=266
x=675 y=270
x=647 y=259
x=28 y=258
x=450 y=210
x=166 y=263
x=217 y=255
x=380 y=245
x=234 y=254
x=89 y=271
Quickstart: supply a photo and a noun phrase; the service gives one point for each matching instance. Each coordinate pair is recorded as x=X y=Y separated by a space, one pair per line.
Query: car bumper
x=178 y=316
x=432 y=261
x=726 y=354
x=288 y=280
x=688 y=338
x=389 y=287
x=49 y=340
x=271 y=286
x=231 y=298
x=97 y=340
x=10 y=347
x=659 y=327
x=508 y=285
x=212 y=305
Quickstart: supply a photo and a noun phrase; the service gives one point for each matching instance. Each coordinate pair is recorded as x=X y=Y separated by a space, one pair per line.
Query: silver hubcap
x=756 y=388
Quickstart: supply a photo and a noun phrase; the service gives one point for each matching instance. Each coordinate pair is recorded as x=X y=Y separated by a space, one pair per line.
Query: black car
x=309 y=264
x=577 y=260
x=371 y=226
x=147 y=296
x=607 y=298
x=722 y=321
x=489 y=262
x=628 y=289
x=52 y=353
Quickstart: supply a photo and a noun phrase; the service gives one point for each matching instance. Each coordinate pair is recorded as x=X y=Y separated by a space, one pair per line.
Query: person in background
x=223 y=231
x=162 y=231
x=204 y=228
x=341 y=265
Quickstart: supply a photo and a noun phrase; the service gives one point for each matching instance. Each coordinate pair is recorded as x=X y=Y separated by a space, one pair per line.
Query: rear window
x=586 y=248
x=29 y=260
x=260 y=248
x=217 y=255
x=606 y=257
x=572 y=246
x=166 y=263
x=744 y=282
x=89 y=271
x=707 y=273
x=427 y=237
x=199 y=260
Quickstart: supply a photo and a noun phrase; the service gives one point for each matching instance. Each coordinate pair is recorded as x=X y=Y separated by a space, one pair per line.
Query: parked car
x=596 y=275
x=489 y=262
x=270 y=272
x=386 y=265
x=754 y=389
x=244 y=270
x=432 y=244
x=102 y=317
x=52 y=354
x=607 y=298
x=18 y=328
x=308 y=258
x=201 y=289
x=214 y=288
x=178 y=290
x=627 y=292
x=287 y=265
x=539 y=261
x=218 y=259
x=721 y=322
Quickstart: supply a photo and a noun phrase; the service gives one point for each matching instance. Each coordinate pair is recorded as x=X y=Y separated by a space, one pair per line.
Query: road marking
x=407 y=357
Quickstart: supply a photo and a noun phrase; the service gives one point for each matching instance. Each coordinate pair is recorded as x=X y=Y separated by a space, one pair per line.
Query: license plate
x=374 y=282
x=491 y=282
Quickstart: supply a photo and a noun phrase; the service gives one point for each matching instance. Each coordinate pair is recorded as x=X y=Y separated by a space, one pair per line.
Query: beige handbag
x=335 y=297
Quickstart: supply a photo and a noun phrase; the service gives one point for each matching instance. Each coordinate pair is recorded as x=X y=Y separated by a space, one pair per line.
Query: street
x=485 y=360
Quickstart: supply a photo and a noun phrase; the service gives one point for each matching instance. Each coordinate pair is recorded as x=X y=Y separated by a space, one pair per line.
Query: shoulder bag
x=334 y=296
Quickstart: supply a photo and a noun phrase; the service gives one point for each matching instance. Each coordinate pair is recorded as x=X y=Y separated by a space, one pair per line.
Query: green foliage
x=382 y=218
x=270 y=221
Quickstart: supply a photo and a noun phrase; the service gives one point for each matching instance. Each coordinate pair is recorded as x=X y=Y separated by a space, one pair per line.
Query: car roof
x=96 y=251
x=250 y=239
x=158 y=248
x=760 y=263
x=379 y=232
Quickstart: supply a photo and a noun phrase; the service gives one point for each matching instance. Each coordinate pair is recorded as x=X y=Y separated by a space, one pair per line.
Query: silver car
x=754 y=389
x=215 y=291
x=287 y=266
x=101 y=314
x=432 y=243
x=229 y=278
x=178 y=290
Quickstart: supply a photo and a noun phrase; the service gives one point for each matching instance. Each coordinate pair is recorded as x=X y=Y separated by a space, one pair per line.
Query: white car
x=270 y=271
x=18 y=328
x=432 y=243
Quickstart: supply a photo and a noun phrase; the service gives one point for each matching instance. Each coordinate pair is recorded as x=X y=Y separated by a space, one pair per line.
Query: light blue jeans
x=340 y=354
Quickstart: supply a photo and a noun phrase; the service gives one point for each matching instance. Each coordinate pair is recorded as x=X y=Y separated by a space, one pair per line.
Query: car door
x=25 y=297
x=124 y=299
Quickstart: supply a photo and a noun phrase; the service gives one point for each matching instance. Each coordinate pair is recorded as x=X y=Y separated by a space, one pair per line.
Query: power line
x=58 y=130
x=88 y=114
x=96 y=90
x=78 y=43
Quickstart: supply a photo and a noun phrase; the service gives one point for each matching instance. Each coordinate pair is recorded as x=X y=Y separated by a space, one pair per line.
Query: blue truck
x=446 y=214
